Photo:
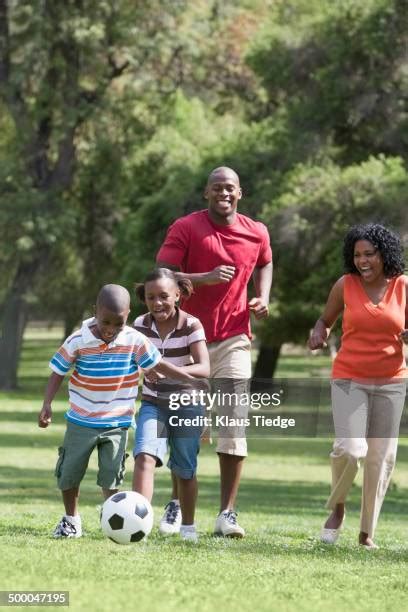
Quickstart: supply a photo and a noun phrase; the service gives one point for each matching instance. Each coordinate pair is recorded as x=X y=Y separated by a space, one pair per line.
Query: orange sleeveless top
x=371 y=347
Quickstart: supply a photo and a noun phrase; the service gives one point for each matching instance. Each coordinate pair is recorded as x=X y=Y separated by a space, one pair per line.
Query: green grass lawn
x=280 y=564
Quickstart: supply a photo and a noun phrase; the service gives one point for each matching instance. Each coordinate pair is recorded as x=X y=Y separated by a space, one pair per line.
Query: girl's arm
x=199 y=369
x=333 y=308
x=168 y=370
x=201 y=366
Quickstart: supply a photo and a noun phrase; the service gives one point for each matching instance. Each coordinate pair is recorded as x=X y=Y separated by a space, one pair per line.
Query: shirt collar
x=148 y=320
x=89 y=338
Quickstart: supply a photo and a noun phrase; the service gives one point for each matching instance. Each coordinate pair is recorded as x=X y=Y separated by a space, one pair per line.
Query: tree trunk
x=266 y=363
x=14 y=322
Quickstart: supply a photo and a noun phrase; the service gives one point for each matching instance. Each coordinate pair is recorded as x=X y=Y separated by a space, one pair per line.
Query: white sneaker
x=188 y=533
x=66 y=529
x=330 y=536
x=226 y=525
x=171 y=520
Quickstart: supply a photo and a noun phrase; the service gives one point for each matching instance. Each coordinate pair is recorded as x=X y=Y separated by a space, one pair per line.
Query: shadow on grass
x=31 y=440
x=264 y=497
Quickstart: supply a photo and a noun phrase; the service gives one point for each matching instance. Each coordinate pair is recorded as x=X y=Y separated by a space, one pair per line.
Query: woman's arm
x=333 y=308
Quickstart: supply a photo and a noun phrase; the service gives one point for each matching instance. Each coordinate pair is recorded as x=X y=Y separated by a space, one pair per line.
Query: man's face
x=109 y=324
x=223 y=192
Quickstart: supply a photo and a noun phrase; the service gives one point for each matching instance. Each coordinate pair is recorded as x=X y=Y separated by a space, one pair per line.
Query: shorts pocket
x=60 y=460
x=123 y=467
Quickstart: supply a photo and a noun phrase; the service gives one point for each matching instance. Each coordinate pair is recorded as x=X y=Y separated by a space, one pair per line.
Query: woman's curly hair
x=384 y=240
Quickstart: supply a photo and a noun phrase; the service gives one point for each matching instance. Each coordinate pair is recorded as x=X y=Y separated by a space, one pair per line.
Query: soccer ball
x=126 y=517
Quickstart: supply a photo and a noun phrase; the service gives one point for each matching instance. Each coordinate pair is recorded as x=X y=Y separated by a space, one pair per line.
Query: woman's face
x=368 y=261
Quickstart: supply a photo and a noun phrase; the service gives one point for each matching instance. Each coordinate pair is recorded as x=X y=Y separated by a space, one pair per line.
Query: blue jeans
x=158 y=427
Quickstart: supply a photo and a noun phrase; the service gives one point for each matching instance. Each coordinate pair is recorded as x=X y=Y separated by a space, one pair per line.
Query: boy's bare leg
x=108 y=493
x=143 y=475
x=230 y=468
x=188 y=496
x=70 y=498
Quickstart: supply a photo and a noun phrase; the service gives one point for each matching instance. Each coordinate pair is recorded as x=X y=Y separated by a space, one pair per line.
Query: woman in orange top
x=368 y=377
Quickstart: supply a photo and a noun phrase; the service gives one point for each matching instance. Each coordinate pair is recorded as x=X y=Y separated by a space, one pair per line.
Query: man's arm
x=263 y=282
x=220 y=274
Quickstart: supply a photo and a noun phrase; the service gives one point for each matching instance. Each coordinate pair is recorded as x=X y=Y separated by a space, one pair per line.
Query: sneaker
x=188 y=533
x=65 y=529
x=171 y=520
x=226 y=525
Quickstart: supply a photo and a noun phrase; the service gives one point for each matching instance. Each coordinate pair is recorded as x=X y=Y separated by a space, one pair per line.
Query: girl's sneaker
x=171 y=519
x=188 y=533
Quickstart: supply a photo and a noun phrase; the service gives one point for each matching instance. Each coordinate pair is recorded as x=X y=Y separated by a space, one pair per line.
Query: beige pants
x=366 y=422
x=230 y=362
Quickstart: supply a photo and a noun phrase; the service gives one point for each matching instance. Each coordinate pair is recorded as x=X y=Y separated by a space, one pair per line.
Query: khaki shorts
x=74 y=454
x=230 y=362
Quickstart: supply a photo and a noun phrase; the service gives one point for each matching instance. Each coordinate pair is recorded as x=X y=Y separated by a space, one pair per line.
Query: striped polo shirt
x=175 y=348
x=104 y=384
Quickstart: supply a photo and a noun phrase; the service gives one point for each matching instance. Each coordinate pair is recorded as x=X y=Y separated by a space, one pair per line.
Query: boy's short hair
x=113 y=297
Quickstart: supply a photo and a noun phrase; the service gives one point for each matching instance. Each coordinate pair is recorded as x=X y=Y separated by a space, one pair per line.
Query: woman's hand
x=317 y=340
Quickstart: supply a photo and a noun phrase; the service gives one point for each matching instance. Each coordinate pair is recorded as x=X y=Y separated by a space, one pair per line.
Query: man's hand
x=220 y=274
x=44 y=417
x=404 y=336
x=258 y=307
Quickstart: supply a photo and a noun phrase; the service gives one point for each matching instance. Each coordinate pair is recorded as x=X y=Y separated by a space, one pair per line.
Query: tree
x=58 y=60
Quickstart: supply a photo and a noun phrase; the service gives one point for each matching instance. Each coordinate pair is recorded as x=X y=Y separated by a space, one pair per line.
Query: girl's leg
x=150 y=448
x=174 y=486
x=143 y=475
x=188 y=497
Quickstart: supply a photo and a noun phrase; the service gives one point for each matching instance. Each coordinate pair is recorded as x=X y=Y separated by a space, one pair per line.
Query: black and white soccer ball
x=126 y=517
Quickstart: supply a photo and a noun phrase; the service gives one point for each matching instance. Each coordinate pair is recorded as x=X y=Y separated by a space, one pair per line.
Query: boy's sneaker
x=226 y=525
x=171 y=520
x=188 y=533
x=66 y=529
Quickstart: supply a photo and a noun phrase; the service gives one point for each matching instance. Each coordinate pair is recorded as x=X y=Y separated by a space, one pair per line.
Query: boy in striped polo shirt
x=106 y=355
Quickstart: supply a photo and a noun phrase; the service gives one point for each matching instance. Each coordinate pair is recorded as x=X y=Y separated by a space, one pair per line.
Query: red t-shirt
x=194 y=243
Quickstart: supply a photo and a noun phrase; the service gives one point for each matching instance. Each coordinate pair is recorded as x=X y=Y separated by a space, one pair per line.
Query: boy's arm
x=45 y=415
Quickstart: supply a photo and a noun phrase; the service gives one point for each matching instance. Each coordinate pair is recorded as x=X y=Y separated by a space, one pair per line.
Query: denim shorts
x=158 y=427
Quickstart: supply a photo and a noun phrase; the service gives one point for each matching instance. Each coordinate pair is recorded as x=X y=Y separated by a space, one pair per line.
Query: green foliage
x=343 y=75
x=307 y=223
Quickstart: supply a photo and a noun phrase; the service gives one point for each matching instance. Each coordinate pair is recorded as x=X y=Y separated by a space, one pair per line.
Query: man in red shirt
x=219 y=250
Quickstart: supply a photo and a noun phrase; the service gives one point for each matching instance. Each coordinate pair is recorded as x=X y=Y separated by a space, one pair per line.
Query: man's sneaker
x=171 y=519
x=226 y=525
x=65 y=529
x=188 y=533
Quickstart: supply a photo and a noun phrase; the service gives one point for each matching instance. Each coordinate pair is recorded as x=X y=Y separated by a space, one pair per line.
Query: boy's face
x=108 y=323
x=222 y=192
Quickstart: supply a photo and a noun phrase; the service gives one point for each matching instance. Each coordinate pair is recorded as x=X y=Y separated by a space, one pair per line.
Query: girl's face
x=161 y=296
x=368 y=260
